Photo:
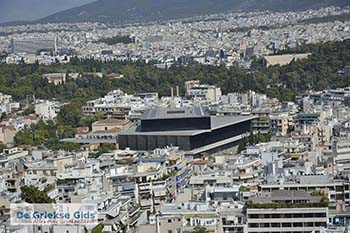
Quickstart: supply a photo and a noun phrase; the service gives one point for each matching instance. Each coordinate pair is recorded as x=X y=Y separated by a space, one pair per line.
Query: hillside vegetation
x=316 y=73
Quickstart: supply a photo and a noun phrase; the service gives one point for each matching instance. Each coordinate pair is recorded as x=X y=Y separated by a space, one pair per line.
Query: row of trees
x=119 y=39
x=49 y=133
x=317 y=72
x=45 y=134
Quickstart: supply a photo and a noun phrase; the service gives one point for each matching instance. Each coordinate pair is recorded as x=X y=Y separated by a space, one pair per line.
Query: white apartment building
x=212 y=93
x=287 y=211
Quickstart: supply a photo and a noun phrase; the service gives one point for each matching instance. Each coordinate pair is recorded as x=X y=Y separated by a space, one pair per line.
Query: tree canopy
x=199 y=229
x=119 y=39
x=32 y=194
x=48 y=135
x=283 y=82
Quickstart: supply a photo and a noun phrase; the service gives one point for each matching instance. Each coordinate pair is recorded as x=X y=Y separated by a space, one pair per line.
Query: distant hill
x=24 y=10
x=131 y=11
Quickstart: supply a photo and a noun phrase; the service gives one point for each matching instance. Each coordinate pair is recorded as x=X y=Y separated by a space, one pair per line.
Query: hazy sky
x=13 y=10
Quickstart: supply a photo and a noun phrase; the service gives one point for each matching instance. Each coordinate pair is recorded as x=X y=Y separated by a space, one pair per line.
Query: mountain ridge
x=15 y=11
x=142 y=11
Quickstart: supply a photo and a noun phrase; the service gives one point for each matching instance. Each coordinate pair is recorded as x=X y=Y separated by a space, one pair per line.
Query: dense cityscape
x=233 y=38
x=237 y=122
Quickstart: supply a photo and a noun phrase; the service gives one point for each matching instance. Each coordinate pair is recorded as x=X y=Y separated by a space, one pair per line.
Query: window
x=169 y=220
x=297 y=215
x=297 y=224
x=320 y=215
x=320 y=224
x=275 y=225
x=309 y=224
x=253 y=225
x=309 y=215
x=265 y=225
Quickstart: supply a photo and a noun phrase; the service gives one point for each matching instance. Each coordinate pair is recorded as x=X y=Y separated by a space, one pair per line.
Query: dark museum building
x=192 y=129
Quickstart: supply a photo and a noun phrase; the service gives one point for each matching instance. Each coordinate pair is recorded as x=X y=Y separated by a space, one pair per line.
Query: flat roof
x=223 y=121
x=110 y=121
x=308 y=115
x=284 y=195
x=215 y=145
x=171 y=113
x=234 y=188
x=312 y=179
x=217 y=122
x=136 y=130
x=88 y=141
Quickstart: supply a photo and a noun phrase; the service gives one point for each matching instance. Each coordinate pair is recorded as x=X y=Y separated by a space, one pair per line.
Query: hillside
x=131 y=11
x=24 y=10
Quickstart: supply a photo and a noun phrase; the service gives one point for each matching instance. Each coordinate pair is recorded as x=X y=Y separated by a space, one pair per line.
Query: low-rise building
x=184 y=217
x=110 y=125
x=287 y=211
x=56 y=78
x=7 y=135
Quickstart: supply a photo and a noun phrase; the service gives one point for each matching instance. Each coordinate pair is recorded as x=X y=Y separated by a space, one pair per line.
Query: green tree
x=104 y=148
x=55 y=144
x=28 y=111
x=3 y=115
x=253 y=139
x=2 y=147
x=70 y=114
x=32 y=194
x=47 y=134
x=199 y=229
x=40 y=137
x=98 y=228
x=24 y=137
x=242 y=145
x=66 y=131
x=117 y=39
